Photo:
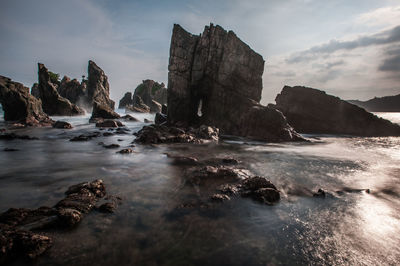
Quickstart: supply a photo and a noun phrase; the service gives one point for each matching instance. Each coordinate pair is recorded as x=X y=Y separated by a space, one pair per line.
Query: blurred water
x=351 y=228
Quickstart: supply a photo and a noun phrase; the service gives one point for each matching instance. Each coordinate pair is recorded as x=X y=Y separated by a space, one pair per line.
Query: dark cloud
x=392 y=61
x=385 y=37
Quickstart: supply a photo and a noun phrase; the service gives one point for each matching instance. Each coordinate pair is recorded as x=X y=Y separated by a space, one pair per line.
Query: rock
x=103 y=112
x=260 y=189
x=74 y=91
x=111 y=146
x=108 y=207
x=313 y=111
x=20 y=106
x=160 y=119
x=130 y=118
x=155 y=107
x=35 y=90
x=98 y=87
x=150 y=91
x=69 y=217
x=183 y=160
x=320 y=194
x=220 y=197
x=216 y=79
x=146 y=120
x=125 y=151
x=12 y=136
x=265 y=195
x=10 y=149
x=107 y=123
x=86 y=137
x=164 y=109
x=126 y=100
x=52 y=102
x=138 y=106
x=62 y=124
x=257 y=182
x=107 y=134
x=154 y=134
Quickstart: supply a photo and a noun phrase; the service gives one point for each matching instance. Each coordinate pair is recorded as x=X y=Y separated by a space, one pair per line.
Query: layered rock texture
x=383 y=104
x=313 y=111
x=74 y=91
x=126 y=100
x=98 y=87
x=216 y=79
x=53 y=103
x=19 y=105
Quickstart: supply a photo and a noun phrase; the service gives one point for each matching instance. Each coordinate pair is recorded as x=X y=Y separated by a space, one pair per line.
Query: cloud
x=385 y=16
x=392 y=61
x=381 y=38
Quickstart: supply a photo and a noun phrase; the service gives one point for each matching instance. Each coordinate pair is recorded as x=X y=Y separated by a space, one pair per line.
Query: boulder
x=20 y=106
x=216 y=79
x=130 y=118
x=126 y=100
x=107 y=123
x=62 y=124
x=155 y=107
x=101 y=111
x=313 y=111
x=52 y=102
x=98 y=88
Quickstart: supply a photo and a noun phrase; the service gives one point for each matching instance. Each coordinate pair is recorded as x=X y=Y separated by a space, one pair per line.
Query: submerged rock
x=20 y=106
x=62 y=124
x=12 y=136
x=216 y=79
x=313 y=111
x=52 y=102
x=125 y=151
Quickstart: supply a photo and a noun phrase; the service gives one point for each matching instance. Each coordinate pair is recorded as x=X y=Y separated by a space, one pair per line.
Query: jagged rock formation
x=20 y=106
x=52 y=102
x=101 y=111
x=383 y=104
x=138 y=105
x=126 y=100
x=35 y=90
x=216 y=79
x=74 y=91
x=98 y=87
x=151 y=90
x=313 y=111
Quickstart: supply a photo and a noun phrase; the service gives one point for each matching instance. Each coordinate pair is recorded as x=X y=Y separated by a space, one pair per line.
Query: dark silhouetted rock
x=35 y=90
x=126 y=100
x=52 y=102
x=220 y=197
x=86 y=137
x=101 y=111
x=155 y=107
x=138 y=106
x=107 y=123
x=74 y=91
x=160 y=119
x=10 y=149
x=111 y=146
x=130 y=118
x=151 y=90
x=313 y=111
x=20 y=106
x=380 y=104
x=98 y=87
x=62 y=124
x=216 y=79
x=125 y=151
x=164 y=109
x=12 y=136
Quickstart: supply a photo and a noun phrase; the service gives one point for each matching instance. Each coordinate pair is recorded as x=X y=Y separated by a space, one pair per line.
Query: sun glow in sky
x=348 y=48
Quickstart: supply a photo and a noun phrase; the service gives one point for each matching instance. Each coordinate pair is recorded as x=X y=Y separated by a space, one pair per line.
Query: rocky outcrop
x=98 y=87
x=216 y=79
x=101 y=111
x=35 y=90
x=126 y=100
x=20 y=106
x=151 y=90
x=74 y=91
x=313 y=111
x=52 y=102
x=383 y=104
x=62 y=125
x=138 y=106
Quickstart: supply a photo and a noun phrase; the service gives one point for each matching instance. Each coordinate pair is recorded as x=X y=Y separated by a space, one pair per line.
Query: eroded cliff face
x=216 y=79
x=20 y=106
x=313 y=111
x=52 y=102
x=98 y=87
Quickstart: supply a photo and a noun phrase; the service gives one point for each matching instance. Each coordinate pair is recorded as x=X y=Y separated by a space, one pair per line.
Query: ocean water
x=350 y=227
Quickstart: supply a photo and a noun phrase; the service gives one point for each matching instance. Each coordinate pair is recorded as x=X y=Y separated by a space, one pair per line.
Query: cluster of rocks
x=148 y=97
x=156 y=134
x=23 y=231
x=313 y=111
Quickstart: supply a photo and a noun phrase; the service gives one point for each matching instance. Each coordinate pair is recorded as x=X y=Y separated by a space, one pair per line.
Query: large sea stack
x=53 y=103
x=98 y=87
x=74 y=91
x=313 y=111
x=19 y=105
x=216 y=79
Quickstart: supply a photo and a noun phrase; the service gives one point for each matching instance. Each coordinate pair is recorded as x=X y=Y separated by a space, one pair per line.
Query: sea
x=357 y=223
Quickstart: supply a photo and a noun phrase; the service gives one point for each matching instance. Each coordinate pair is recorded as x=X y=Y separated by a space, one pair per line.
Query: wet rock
x=220 y=197
x=69 y=217
x=20 y=106
x=122 y=131
x=111 y=146
x=183 y=160
x=52 y=102
x=125 y=151
x=230 y=189
x=265 y=195
x=150 y=91
x=62 y=124
x=320 y=194
x=12 y=136
x=10 y=149
x=130 y=118
x=86 y=137
x=138 y=106
x=103 y=112
x=126 y=100
x=107 y=123
x=160 y=119
x=313 y=111
x=107 y=134
x=216 y=79
x=154 y=134
x=35 y=90
x=74 y=91
x=155 y=107
x=260 y=189
x=108 y=207
x=257 y=182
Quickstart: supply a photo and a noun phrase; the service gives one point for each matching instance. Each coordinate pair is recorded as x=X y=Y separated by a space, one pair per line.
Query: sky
x=350 y=49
